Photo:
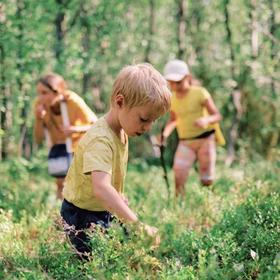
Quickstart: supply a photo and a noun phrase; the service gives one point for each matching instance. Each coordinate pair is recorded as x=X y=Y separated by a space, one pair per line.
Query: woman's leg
x=207 y=160
x=183 y=161
x=59 y=187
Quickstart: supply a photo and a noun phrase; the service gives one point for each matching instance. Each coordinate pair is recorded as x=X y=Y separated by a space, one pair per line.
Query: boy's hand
x=201 y=122
x=152 y=232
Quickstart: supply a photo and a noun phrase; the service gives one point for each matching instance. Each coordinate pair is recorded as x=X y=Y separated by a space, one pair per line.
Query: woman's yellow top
x=188 y=109
x=78 y=112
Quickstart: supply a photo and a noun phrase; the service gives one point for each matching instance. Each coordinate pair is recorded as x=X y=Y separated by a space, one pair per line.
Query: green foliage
x=230 y=231
x=97 y=38
x=247 y=236
x=22 y=184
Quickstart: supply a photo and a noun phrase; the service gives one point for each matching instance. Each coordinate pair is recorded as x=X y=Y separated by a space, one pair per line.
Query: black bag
x=59 y=160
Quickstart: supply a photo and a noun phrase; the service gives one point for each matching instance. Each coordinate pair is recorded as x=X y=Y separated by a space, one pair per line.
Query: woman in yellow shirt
x=52 y=90
x=194 y=115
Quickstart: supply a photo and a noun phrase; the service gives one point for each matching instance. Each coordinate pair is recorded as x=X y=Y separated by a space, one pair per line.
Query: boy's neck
x=112 y=120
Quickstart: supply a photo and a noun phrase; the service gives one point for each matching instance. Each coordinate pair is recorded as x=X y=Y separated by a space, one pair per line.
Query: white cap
x=175 y=70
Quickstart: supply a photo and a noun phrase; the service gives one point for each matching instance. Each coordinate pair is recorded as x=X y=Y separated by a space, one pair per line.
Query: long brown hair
x=54 y=82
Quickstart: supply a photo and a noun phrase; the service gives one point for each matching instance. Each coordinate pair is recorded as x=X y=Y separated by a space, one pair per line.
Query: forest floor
x=230 y=230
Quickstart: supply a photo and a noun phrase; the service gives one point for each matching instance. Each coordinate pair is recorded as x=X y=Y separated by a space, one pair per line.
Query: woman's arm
x=214 y=114
x=68 y=130
x=41 y=118
x=82 y=118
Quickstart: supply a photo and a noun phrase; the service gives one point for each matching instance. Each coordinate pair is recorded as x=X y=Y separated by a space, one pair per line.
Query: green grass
x=228 y=231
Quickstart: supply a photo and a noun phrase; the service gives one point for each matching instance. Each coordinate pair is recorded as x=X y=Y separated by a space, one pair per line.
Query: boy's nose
x=148 y=126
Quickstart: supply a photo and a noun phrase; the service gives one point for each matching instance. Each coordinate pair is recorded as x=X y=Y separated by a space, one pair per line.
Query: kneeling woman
x=61 y=117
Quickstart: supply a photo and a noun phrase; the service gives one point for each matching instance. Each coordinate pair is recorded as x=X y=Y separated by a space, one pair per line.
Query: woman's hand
x=40 y=111
x=202 y=122
x=68 y=130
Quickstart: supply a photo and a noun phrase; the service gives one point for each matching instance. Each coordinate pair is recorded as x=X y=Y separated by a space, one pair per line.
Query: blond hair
x=142 y=84
x=54 y=82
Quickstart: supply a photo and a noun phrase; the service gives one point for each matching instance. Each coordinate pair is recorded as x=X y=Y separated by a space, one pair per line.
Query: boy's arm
x=115 y=203
x=110 y=198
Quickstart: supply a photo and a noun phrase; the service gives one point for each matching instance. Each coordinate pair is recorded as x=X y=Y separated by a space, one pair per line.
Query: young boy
x=195 y=116
x=95 y=181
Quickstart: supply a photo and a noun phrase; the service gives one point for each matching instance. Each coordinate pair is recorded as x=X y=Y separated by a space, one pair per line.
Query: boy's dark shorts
x=76 y=220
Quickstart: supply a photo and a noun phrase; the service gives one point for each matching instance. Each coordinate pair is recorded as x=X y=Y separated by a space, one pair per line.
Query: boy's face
x=181 y=86
x=137 y=120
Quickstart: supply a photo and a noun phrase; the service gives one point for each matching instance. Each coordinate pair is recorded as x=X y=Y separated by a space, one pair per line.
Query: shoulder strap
x=66 y=122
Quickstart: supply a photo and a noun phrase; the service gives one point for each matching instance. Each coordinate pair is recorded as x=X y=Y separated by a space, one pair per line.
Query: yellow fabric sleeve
x=98 y=158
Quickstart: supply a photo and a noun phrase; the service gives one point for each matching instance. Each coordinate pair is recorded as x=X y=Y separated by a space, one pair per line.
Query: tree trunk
x=235 y=95
x=274 y=137
x=59 y=34
x=151 y=30
x=273 y=48
x=254 y=29
x=61 y=30
x=181 y=30
x=197 y=18
x=20 y=68
x=86 y=79
x=3 y=128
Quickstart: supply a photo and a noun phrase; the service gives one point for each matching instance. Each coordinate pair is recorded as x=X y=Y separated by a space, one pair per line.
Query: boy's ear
x=119 y=100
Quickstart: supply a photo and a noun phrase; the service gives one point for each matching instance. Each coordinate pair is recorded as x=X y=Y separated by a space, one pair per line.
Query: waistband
x=200 y=136
x=84 y=210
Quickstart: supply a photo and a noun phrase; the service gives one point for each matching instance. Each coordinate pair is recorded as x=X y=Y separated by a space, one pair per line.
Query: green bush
x=23 y=183
x=230 y=231
x=249 y=234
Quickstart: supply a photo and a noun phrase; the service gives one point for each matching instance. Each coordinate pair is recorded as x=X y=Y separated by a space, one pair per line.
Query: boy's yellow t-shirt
x=99 y=150
x=188 y=109
x=78 y=112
